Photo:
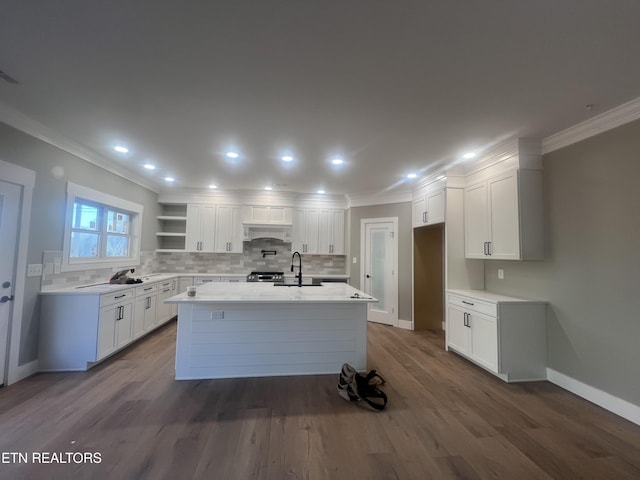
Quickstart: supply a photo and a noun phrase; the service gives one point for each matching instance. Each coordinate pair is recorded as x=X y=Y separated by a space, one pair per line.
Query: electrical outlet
x=56 y=268
x=355 y=260
x=500 y=274
x=34 y=270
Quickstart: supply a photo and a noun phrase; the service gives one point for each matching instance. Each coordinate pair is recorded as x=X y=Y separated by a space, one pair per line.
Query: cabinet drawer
x=203 y=280
x=146 y=289
x=116 y=297
x=473 y=304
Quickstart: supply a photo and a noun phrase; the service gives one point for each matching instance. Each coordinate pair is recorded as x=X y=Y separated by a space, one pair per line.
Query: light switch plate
x=500 y=274
x=34 y=270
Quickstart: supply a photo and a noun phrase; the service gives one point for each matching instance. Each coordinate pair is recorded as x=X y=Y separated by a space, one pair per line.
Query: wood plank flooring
x=446 y=419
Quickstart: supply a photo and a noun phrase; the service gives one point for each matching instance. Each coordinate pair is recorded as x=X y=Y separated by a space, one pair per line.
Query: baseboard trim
x=616 y=405
x=22 y=371
x=406 y=324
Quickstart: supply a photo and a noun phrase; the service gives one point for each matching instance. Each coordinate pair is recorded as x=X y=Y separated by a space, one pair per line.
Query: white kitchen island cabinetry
x=258 y=329
x=504 y=335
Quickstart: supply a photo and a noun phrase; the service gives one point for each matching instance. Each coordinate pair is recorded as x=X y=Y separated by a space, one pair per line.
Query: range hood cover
x=279 y=232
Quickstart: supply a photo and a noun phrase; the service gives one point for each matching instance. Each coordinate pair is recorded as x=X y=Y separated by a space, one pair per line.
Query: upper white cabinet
x=503 y=208
x=331 y=232
x=306 y=223
x=228 y=229
x=428 y=208
x=503 y=217
x=318 y=231
x=214 y=228
x=264 y=215
x=200 y=228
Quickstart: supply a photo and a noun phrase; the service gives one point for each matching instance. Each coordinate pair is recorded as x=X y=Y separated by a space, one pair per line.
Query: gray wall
x=591 y=272
x=48 y=210
x=403 y=212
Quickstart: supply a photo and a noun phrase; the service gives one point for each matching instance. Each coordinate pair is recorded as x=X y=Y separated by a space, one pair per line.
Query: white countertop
x=261 y=292
x=490 y=296
x=100 y=288
x=106 y=287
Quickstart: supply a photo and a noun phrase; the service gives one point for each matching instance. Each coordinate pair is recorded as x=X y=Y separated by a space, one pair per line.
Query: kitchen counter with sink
x=259 y=329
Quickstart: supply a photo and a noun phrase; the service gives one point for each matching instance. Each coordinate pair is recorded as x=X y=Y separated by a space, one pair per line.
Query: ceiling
x=392 y=87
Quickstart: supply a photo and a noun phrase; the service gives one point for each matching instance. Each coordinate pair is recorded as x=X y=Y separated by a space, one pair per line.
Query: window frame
x=105 y=202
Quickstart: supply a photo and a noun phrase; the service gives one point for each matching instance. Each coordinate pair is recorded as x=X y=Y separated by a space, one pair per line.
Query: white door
x=379 y=268
x=9 y=214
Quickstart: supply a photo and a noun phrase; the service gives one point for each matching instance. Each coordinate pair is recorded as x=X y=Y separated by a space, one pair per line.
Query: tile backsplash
x=252 y=258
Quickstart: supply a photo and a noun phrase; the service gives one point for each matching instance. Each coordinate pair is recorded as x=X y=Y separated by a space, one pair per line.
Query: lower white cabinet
x=504 y=335
x=78 y=329
x=145 y=309
x=166 y=311
x=114 y=323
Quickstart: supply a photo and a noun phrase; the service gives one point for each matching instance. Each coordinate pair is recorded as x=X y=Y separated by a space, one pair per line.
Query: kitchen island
x=259 y=329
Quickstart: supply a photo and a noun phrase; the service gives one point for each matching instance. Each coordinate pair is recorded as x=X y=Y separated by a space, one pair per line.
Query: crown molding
x=368 y=199
x=27 y=125
x=625 y=113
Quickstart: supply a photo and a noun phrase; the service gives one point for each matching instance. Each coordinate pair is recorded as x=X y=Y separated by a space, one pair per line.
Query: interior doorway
x=9 y=223
x=428 y=277
x=379 y=260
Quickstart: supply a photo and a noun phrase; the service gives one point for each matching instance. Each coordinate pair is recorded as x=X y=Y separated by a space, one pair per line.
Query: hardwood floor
x=446 y=419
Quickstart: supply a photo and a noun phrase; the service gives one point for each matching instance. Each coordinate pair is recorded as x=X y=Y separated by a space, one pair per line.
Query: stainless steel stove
x=265 y=277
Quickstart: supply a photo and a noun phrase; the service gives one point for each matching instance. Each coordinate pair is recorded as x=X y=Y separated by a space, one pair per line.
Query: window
x=101 y=230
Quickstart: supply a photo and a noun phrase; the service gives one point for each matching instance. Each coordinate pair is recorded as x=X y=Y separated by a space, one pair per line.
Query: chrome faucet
x=299 y=266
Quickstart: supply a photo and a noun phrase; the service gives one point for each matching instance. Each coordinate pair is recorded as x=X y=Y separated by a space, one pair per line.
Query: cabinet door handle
x=119 y=296
x=490 y=248
x=424 y=217
x=464 y=319
x=468 y=320
x=467 y=303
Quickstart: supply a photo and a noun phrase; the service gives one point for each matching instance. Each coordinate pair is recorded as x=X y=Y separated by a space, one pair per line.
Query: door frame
x=363 y=227
x=25 y=178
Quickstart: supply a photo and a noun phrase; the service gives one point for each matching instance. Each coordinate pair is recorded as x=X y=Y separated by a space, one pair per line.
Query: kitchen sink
x=295 y=284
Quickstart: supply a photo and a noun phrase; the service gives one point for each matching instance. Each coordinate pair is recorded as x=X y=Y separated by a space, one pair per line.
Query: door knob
x=6 y=299
x=368 y=276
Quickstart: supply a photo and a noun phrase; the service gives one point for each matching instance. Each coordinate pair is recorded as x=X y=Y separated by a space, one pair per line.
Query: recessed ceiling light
x=149 y=166
x=337 y=161
x=412 y=175
x=232 y=155
x=469 y=155
x=213 y=186
x=287 y=158
x=121 y=149
x=169 y=179
x=268 y=188
x=321 y=192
